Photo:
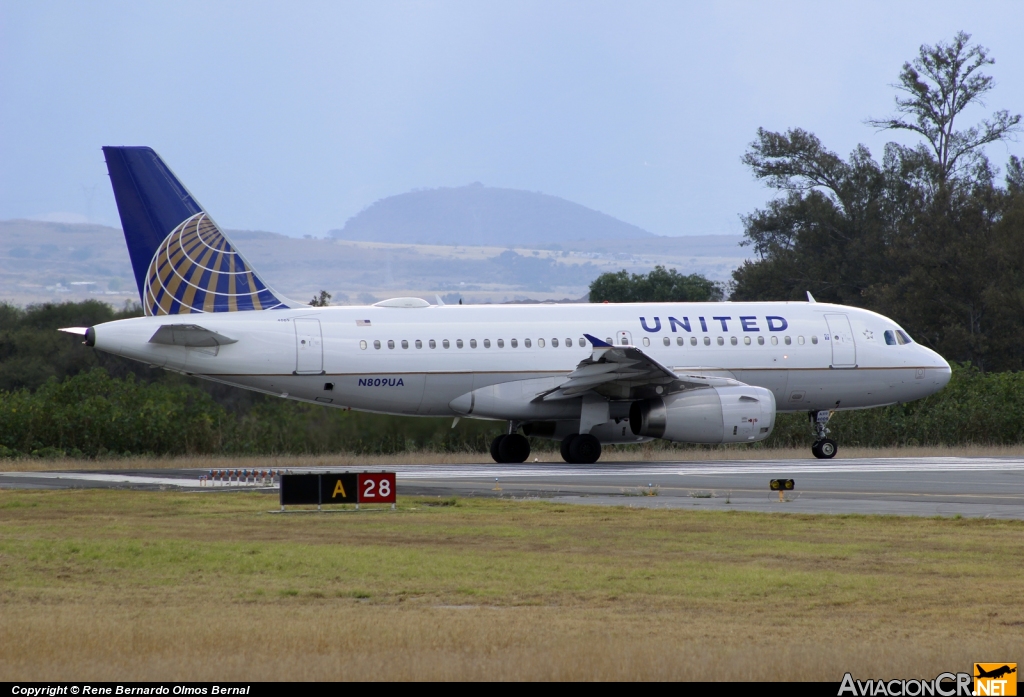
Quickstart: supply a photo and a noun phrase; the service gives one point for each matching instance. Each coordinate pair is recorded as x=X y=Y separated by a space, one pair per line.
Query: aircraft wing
x=625 y=372
x=191 y=335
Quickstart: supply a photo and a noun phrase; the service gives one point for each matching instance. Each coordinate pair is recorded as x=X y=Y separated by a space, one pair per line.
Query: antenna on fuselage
x=810 y=298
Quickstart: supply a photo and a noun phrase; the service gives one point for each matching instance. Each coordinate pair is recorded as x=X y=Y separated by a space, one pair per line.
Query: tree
x=323 y=300
x=661 y=285
x=942 y=81
x=917 y=236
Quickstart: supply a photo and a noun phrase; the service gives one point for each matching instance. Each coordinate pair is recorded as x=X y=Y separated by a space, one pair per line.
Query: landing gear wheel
x=496 y=448
x=824 y=449
x=566 y=445
x=585 y=449
x=514 y=448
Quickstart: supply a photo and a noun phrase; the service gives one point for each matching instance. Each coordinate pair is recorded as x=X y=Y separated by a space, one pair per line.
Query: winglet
x=597 y=343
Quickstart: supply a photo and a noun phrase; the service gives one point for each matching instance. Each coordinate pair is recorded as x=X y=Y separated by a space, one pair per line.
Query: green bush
x=92 y=414
x=974 y=408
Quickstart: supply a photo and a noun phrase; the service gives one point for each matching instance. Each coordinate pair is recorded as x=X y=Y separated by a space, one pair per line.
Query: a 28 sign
x=377 y=488
x=338 y=487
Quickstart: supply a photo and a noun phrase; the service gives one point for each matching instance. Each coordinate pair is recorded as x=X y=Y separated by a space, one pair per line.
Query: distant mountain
x=44 y=261
x=482 y=216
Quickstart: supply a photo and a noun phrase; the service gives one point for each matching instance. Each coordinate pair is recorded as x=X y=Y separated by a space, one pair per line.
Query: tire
x=815 y=450
x=496 y=448
x=514 y=448
x=828 y=449
x=566 y=445
x=585 y=449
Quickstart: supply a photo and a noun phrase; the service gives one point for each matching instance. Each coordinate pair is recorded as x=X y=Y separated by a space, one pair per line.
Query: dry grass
x=426 y=457
x=105 y=585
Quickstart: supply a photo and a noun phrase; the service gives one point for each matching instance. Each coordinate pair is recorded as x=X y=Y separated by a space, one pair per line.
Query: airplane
x=586 y=375
x=994 y=673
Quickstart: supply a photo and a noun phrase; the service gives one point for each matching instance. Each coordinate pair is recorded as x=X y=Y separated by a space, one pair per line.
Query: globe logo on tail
x=195 y=269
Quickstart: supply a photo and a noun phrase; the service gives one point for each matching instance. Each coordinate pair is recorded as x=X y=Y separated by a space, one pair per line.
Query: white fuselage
x=812 y=356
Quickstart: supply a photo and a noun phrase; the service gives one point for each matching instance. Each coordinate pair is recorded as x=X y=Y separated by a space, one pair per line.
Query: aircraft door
x=844 y=351
x=309 y=347
x=623 y=339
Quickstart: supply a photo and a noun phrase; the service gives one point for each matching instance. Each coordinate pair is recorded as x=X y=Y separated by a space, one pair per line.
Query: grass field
x=121 y=585
x=611 y=454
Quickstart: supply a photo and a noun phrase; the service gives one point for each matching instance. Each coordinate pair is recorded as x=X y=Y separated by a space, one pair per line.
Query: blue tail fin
x=183 y=262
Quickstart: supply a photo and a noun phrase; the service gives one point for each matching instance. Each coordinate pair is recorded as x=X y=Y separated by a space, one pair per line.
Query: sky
x=292 y=117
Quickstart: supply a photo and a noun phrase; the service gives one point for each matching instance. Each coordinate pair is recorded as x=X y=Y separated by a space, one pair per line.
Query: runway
x=970 y=487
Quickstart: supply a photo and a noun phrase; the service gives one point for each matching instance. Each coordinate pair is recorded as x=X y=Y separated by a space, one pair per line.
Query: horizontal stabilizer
x=191 y=335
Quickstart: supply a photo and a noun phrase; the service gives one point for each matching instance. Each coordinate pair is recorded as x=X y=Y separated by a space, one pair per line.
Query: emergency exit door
x=844 y=351
x=623 y=339
x=309 y=347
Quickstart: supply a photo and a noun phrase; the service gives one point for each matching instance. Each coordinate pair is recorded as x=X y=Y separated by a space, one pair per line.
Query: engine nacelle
x=734 y=414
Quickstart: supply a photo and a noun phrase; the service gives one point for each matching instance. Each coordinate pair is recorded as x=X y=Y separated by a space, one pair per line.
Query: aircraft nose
x=943 y=372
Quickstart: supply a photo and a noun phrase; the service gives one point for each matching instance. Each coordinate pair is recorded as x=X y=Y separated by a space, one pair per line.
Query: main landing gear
x=581 y=449
x=577 y=449
x=824 y=448
x=510 y=448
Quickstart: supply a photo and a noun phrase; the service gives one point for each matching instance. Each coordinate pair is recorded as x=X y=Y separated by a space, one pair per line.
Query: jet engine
x=732 y=414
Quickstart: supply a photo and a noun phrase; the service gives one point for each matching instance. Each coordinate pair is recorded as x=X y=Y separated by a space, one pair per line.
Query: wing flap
x=626 y=372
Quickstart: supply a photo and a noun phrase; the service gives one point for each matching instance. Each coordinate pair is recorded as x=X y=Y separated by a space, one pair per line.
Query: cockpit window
x=890 y=338
x=902 y=337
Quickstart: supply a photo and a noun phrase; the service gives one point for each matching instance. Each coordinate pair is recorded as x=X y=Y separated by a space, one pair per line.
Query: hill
x=482 y=216
x=43 y=261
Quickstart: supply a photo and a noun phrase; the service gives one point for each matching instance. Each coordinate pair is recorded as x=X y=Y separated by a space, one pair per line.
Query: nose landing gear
x=824 y=448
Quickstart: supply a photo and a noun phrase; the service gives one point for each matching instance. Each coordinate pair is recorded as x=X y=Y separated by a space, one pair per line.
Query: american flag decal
x=362 y=323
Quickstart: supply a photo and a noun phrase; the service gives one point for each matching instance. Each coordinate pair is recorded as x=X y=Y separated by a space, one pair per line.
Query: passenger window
x=362 y=344
x=608 y=340
x=647 y=342
x=583 y=342
x=501 y=343
x=432 y=344
x=693 y=341
x=900 y=334
x=746 y=341
x=814 y=339
x=446 y=344
x=800 y=340
x=775 y=341
x=679 y=341
x=732 y=340
x=487 y=343
x=391 y=343
x=376 y=343
x=721 y=341
x=472 y=343
x=405 y=344
x=707 y=341
x=419 y=344
x=666 y=341
x=890 y=338
x=540 y=343
x=788 y=341
x=458 y=343
x=526 y=343
x=514 y=343
x=568 y=343
x=554 y=343
x=760 y=341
